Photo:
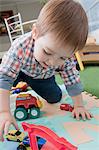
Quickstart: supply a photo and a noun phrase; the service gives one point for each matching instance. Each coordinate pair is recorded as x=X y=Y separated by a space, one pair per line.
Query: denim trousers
x=46 y=88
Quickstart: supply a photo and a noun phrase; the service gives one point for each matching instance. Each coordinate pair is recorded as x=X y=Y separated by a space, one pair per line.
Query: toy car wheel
x=18 y=140
x=21 y=147
x=20 y=114
x=34 y=113
x=8 y=139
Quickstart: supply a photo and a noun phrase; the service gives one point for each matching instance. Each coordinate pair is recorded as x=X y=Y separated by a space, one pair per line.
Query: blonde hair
x=67 y=20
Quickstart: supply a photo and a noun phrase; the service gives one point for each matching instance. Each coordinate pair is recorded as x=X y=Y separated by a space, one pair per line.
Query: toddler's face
x=50 y=53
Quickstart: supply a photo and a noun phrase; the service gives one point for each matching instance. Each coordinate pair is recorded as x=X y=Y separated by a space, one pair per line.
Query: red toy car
x=27 y=106
x=66 y=107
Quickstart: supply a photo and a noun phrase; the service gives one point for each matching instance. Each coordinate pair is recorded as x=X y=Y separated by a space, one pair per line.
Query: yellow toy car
x=15 y=135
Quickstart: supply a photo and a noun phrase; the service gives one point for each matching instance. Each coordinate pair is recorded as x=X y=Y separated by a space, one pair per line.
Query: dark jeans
x=47 y=88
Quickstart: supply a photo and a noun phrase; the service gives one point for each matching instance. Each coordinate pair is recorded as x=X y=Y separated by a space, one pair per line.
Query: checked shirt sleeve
x=10 y=66
x=71 y=78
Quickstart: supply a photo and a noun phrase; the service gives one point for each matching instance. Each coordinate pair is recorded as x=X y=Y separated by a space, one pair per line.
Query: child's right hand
x=6 y=119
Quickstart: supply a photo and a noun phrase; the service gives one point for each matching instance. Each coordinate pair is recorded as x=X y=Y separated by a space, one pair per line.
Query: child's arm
x=71 y=78
x=6 y=119
x=79 y=109
x=9 y=69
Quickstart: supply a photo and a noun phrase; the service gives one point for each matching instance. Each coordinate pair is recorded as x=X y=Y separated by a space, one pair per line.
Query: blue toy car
x=26 y=143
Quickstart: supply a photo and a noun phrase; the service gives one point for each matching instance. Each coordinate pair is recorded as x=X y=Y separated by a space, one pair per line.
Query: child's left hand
x=80 y=111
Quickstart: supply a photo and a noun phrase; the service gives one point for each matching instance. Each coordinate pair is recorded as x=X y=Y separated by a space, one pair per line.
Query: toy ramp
x=48 y=135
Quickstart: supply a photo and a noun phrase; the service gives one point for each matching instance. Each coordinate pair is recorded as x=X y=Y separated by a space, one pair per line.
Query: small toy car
x=40 y=142
x=66 y=107
x=15 y=135
x=25 y=144
x=20 y=87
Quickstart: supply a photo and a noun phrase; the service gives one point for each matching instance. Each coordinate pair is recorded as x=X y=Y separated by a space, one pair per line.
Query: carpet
x=83 y=134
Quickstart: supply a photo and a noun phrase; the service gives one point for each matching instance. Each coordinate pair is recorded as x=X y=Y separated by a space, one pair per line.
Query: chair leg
x=79 y=61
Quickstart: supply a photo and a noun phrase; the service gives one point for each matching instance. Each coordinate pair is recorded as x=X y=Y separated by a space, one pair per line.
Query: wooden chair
x=89 y=54
x=11 y=24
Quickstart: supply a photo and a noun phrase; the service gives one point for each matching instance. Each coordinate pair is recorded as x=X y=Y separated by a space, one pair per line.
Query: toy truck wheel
x=20 y=114
x=34 y=113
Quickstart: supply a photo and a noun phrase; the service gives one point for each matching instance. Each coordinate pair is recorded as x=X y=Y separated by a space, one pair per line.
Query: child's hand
x=81 y=112
x=6 y=119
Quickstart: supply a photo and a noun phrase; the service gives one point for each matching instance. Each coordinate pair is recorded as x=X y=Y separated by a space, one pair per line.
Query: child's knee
x=56 y=98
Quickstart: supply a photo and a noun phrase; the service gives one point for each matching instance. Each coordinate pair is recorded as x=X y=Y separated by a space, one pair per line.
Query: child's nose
x=53 y=61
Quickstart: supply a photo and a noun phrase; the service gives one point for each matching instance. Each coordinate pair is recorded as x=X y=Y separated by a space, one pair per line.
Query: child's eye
x=46 y=52
x=62 y=58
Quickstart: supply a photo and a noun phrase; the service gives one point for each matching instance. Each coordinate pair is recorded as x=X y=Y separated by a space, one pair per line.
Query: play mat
x=83 y=134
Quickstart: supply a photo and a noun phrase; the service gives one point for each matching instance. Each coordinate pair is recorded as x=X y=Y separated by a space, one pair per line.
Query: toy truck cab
x=27 y=106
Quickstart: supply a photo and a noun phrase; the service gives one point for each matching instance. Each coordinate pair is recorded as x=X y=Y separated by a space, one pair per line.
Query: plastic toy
x=25 y=144
x=40 y=142
x=37 y=130
x=20 y=87
x=23 y=147
x=27 y=106
x=15 y=135
x=66 y=107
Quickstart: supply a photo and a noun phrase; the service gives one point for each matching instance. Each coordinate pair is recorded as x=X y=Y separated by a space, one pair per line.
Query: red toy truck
x=27 y=106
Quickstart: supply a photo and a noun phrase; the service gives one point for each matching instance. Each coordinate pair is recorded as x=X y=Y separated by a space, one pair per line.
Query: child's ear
x=35 y=32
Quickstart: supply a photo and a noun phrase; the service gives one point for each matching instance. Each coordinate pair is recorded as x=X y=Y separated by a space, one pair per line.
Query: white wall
x=28 y=10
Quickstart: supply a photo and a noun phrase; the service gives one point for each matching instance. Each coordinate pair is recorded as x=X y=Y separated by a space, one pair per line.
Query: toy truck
x=27 y=106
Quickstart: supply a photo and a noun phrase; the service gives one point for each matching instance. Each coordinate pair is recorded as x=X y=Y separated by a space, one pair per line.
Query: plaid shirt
x=20 y=58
